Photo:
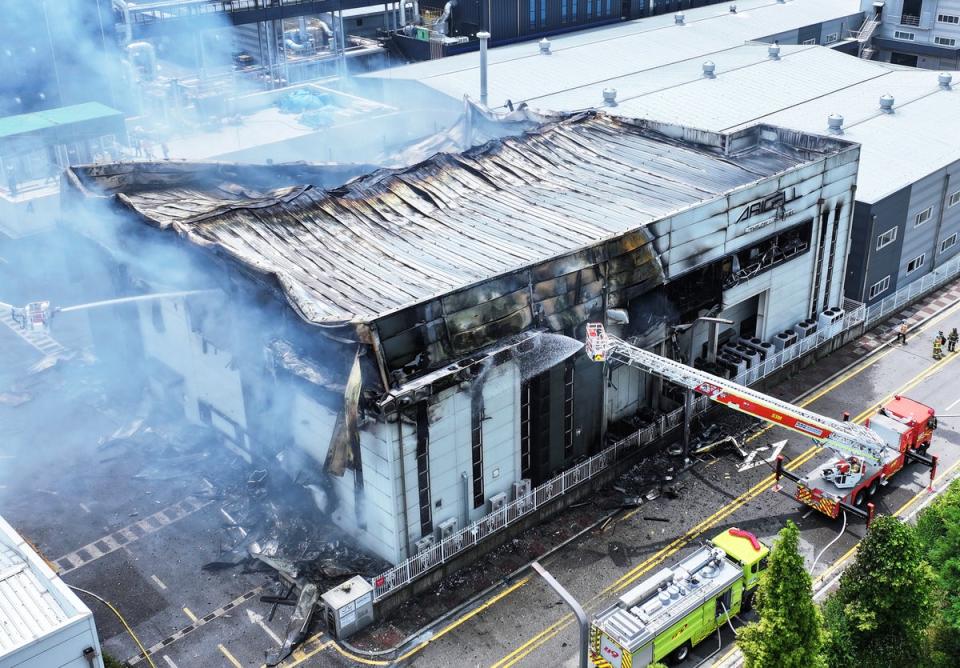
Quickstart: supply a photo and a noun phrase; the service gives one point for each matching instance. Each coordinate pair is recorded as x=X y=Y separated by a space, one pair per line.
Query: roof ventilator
x=483 y=37
x=835 y=124
x=610 y=97
x=545 y=46
x=945 y=78
x=773 y=51
x=886 y=103
x=678 y=19
x=733 y=8
x=709 y=70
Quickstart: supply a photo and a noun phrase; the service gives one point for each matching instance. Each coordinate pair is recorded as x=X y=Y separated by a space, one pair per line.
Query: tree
x=880 y=613
x=938 y=530
x=790 y=631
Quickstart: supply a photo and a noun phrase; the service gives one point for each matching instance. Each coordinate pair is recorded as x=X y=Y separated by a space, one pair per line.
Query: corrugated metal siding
x=917 y=240
x=951 y=216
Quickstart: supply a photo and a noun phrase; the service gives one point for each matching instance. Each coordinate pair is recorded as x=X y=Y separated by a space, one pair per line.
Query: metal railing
x=443 y=551
x=909 y=20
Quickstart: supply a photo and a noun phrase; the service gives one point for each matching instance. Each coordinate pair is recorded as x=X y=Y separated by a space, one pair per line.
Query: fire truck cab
x=905 y=424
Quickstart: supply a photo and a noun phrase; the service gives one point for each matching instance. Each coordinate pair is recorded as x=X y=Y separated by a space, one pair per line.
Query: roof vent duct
x=733 y=8
x=709 y=70
x=678 y=18
x=610 y=97
x=945 y=78
x=545 y=46
x=483 y=37
x=773 y=51
x=886 y=103
x=835 y=124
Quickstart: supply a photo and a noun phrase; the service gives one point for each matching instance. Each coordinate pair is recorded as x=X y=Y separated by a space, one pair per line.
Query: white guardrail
x=402 y=574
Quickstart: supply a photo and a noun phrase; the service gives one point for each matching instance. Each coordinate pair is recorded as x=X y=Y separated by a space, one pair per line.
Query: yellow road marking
x=230 y=657
x=193 y=617
x=675 y=546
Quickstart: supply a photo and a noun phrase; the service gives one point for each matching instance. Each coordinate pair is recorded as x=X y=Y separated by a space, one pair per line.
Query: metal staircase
x=865 y=49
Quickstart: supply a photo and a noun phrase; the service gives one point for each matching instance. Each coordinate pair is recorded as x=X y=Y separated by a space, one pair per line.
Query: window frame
x=953 y=242
x=901 y=35
x=809 y=42
x=916 y=218
x=831 y=38
x=918 y=261
x=953 y=199
x=948 y=19
x=879 y=287
x=944 y=41
x=883 y=243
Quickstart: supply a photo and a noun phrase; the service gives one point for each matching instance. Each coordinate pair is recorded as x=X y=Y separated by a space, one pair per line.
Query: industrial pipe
x=483 y=37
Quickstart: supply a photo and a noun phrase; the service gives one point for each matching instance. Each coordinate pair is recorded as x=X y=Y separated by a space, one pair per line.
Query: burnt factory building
x=408 y=343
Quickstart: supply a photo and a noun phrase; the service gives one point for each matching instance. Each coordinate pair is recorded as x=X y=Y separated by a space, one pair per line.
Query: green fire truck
x=670 y=612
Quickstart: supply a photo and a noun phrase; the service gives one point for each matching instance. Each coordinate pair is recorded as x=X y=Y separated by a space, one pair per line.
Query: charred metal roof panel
x=396 y=238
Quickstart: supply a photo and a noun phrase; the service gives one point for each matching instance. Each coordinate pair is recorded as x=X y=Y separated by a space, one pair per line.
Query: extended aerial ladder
x=866 y=457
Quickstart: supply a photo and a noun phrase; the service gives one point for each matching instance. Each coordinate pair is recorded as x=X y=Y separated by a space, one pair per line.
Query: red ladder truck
x=867 y=456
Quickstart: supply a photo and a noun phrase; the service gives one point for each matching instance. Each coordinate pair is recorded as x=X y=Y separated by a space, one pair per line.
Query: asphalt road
x=140 y=542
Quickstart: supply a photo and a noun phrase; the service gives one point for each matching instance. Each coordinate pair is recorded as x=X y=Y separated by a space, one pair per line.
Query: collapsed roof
x=397 y=238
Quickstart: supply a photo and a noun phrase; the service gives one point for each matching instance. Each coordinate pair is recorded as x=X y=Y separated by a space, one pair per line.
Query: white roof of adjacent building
x=34 y=602
x=656 y=68
x=591 y=57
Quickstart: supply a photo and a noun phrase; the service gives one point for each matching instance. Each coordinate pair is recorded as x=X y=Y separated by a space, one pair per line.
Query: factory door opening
x=906 y=59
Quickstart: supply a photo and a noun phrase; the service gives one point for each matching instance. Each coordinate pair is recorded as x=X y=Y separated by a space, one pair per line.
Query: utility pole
x=574 y=605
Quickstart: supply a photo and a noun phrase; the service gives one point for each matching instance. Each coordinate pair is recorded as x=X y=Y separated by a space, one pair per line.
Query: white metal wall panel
x=625 y=391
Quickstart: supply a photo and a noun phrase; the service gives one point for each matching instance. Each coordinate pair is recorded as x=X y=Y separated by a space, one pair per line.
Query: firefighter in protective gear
x=937 y=348
x=952 y=340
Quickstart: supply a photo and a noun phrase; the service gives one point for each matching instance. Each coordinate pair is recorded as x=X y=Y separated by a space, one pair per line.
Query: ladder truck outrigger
x=867 y=455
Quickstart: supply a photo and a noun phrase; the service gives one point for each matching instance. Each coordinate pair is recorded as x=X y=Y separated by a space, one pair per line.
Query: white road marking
x=752 y=462
x=950 y=407
x=158 y=581
x=170 y=661
x=257 y=618
x=84 y=507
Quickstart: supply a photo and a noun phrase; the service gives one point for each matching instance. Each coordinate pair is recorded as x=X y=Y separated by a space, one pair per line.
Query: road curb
x=473 y=600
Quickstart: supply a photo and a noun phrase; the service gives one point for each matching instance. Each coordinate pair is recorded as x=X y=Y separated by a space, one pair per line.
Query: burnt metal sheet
x=454 y=231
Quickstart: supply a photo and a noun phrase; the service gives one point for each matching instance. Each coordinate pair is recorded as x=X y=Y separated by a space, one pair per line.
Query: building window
x=948 y=18
x=568 y=410
x=916 y=263
x=923 y=216
x=954 y=199
x=573 y=9
x=945 y=41
x=831 y=38
x=879 y=287
x=423 y=469
x=809 y=42
x=887 y=238
x=476 y=446
x=949 y=242
x=533 y=14
x=609 y=8
x=563 y=11
x=908 y=36
x=543 y=13
x=590 y=8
